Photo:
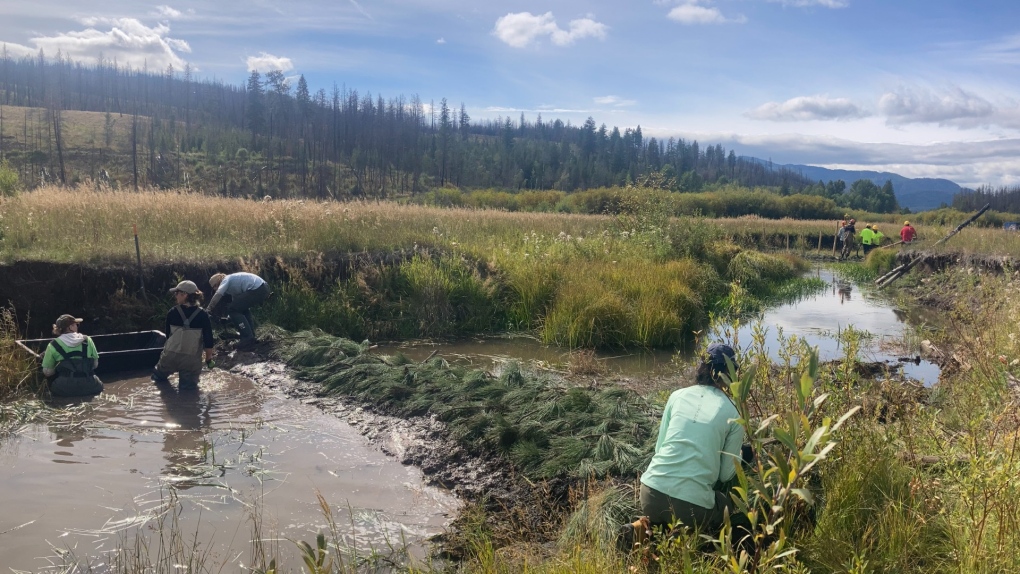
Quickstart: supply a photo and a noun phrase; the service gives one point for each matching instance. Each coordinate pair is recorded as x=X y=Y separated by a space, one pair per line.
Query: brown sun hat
x=64 y=321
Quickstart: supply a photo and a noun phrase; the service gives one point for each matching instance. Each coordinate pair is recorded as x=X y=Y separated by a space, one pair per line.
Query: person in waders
x=246 y=290
x=189 y=335
x=694 y=465
x=70 y=361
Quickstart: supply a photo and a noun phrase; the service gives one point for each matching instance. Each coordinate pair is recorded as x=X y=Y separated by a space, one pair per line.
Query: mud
x=513 y=504
x=417 y=441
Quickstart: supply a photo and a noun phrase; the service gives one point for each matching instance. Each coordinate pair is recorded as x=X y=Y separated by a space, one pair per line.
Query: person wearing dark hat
x=698 y=446
x=246 y=290
x=70 y=361
x=189 y=335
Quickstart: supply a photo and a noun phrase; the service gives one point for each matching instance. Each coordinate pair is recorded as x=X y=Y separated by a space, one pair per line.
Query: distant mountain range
x=918 y=194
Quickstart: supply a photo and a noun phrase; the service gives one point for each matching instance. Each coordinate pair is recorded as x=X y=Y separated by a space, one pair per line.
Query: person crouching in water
x=189 y=331
x=699 y=444
x=70 y=361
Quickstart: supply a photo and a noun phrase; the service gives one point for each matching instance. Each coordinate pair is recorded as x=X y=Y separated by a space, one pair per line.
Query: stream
x=232 y=451
x=816 y=317
x=237 y=462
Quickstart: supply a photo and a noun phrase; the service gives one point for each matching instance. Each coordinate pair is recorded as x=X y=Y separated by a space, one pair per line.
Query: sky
x=923 y=88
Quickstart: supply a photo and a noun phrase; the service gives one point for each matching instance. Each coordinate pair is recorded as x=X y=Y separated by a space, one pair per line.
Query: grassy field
x=641 y=279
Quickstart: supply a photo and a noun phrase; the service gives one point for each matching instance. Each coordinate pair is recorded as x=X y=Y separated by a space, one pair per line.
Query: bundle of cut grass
x=546 y=428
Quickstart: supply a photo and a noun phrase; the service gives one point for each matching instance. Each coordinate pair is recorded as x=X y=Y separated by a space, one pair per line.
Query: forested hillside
x=1005 y=199
x=64 y=122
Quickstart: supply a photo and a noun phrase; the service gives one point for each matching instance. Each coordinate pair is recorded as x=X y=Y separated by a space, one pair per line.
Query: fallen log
x=902 y=270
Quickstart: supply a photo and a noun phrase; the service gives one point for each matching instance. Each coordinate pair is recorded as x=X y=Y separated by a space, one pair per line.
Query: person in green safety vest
x=70 y=361
x=879 y=236
x=867 y=237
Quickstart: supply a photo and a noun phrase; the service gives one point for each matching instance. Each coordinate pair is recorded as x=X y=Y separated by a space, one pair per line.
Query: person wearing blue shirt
x=246 y=290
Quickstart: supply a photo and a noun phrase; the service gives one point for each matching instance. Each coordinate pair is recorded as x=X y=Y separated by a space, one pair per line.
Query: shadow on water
x=88 y=485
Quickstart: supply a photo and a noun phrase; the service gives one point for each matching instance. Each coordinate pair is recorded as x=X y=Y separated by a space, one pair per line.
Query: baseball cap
x=188 y=287
x=718 y=353
x=64 y=321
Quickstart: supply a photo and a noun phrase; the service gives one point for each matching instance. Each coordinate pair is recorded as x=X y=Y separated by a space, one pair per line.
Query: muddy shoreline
x=418 y=441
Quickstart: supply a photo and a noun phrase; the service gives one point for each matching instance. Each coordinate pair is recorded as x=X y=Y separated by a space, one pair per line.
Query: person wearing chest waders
x=694 y=465
x=70 y=361
x=246 y=290
x=189 y=336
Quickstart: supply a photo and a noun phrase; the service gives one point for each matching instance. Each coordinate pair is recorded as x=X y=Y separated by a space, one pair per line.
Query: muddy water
x=816 y=317
x=224 y=450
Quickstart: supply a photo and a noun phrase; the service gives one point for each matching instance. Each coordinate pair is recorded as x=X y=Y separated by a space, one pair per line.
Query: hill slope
x=917 y=194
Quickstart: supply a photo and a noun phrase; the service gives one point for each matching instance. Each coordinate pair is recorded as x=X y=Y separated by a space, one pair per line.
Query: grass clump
x=630 y=303
x=19 y=374
x=880 y=261
x=544 y=427
x=759 y=272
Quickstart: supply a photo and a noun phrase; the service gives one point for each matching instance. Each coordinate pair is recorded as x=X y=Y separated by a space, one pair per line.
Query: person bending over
x=189 y=336
x=246 y=290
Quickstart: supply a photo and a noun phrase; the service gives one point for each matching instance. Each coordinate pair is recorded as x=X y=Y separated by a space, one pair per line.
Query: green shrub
x=10 y=183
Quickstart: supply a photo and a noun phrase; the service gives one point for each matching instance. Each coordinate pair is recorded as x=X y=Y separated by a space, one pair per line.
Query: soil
x=110 y=297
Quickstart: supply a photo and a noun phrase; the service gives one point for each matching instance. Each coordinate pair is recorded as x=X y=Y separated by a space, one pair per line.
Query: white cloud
x=968 y=163
x=694 y=14
x=808 y=108
x=953 y=106
x=360 y=9
x=168 y=12
x=614 y=101
x=523 y=28
x=127 y=41
x=266 y=62
x=691 y=12
x=441 y=41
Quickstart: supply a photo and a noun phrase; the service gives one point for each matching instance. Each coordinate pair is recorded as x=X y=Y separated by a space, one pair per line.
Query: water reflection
x=818 y=320
x=815 y=317
x=187 y=422
x=844 y=290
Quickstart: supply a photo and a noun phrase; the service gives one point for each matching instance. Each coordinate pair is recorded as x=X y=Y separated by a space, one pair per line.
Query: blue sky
x=924 y=88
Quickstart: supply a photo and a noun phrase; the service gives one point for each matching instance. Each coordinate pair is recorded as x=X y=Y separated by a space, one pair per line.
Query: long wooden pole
x=900 y=271
x=138 y=256
x=834 y=239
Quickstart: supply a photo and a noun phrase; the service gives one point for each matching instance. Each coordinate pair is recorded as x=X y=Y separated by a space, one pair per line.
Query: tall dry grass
x=83 y=225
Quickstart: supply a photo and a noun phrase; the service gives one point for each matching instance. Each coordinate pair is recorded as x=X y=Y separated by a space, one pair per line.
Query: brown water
x=82 y=490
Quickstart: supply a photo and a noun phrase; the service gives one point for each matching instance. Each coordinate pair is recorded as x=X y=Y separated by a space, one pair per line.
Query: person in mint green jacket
x=699 y=444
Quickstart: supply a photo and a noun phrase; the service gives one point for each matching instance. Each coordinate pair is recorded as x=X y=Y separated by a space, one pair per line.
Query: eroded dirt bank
x=108 y=295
